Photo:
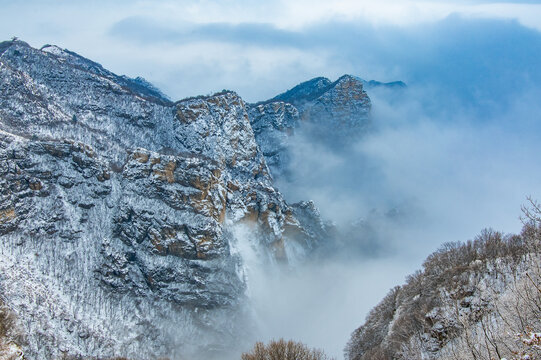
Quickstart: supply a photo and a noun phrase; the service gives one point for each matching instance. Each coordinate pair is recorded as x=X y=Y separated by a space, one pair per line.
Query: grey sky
x=257 y=48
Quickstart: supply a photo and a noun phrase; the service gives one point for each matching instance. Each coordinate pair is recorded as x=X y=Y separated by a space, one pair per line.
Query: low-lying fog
x=419 y=178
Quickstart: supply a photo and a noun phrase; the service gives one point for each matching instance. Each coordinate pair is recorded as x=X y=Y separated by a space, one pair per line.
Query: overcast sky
x=260 y=48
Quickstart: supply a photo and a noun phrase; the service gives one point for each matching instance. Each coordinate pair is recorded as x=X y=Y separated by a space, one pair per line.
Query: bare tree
x=284 y=350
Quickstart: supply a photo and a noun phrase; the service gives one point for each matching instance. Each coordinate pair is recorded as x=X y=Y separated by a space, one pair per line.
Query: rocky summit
x=330 y=113
x=121 y=209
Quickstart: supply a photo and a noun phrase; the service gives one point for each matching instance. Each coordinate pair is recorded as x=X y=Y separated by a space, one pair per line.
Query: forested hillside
x=480 y=299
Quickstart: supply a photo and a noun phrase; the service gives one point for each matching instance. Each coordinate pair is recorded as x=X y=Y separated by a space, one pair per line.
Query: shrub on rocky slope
x=284 y=350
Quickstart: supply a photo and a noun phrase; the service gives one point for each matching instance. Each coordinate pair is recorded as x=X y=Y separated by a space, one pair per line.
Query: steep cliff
x=119 y=209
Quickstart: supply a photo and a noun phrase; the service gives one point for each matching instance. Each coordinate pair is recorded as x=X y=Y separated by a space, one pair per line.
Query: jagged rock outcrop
x=330 y=113
x=342 y=105
x=119 y=207
x=10 y=335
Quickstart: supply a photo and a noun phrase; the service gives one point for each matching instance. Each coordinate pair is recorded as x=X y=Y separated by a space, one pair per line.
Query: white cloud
x=299 y=13
x=84 y=27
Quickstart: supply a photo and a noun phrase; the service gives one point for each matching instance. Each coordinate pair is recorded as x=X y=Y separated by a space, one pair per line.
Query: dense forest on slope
x=480 y=299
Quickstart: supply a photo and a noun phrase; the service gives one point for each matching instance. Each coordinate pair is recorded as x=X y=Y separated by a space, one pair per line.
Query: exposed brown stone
x=233 y=161
x=264 y=217
x=81 y=148
x=7 y=215
x=221 y=216
x=55 y=151
x=188 y=115
x=251 y=216
x=167 y=173
x=176 y=249
x=231 y=186
x=35 y=185
x=105 y=175
x=214 y=100
x=204 y=239
x=156 y=241
x=200 y=105
x=203 y=244
x=201 y=205
x=141 y=157
x=200 y=185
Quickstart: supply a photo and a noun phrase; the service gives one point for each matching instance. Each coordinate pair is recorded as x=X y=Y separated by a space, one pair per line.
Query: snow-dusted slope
x=476 y=300
x=119 y=212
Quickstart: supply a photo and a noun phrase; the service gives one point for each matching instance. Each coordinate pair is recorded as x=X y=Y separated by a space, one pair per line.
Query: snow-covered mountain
x=119 y=210
x=125 y=216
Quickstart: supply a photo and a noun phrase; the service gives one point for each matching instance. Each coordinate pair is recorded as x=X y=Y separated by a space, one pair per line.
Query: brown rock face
x=35 y=184
x=7 y=215
x=166 y=172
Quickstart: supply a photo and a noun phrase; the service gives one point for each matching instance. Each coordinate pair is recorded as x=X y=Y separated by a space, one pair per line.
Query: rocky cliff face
x=274 y=125
x=119 y=210
x=125 y=216
x=329 y=113
x=342 y=105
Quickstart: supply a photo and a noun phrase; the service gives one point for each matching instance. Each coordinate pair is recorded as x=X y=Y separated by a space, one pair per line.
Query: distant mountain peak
x=314 y=88
x=147 y=86
x=138 y=85
x=390 y=85
x=4 y=45
x=348 y=77
x=305 y=91
x=330 y=113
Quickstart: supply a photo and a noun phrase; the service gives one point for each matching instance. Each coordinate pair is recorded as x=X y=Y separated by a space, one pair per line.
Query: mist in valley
x=414 y=182
x=443 y=159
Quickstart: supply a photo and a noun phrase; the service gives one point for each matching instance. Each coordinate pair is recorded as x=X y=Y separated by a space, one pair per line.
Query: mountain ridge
x=126 y=206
